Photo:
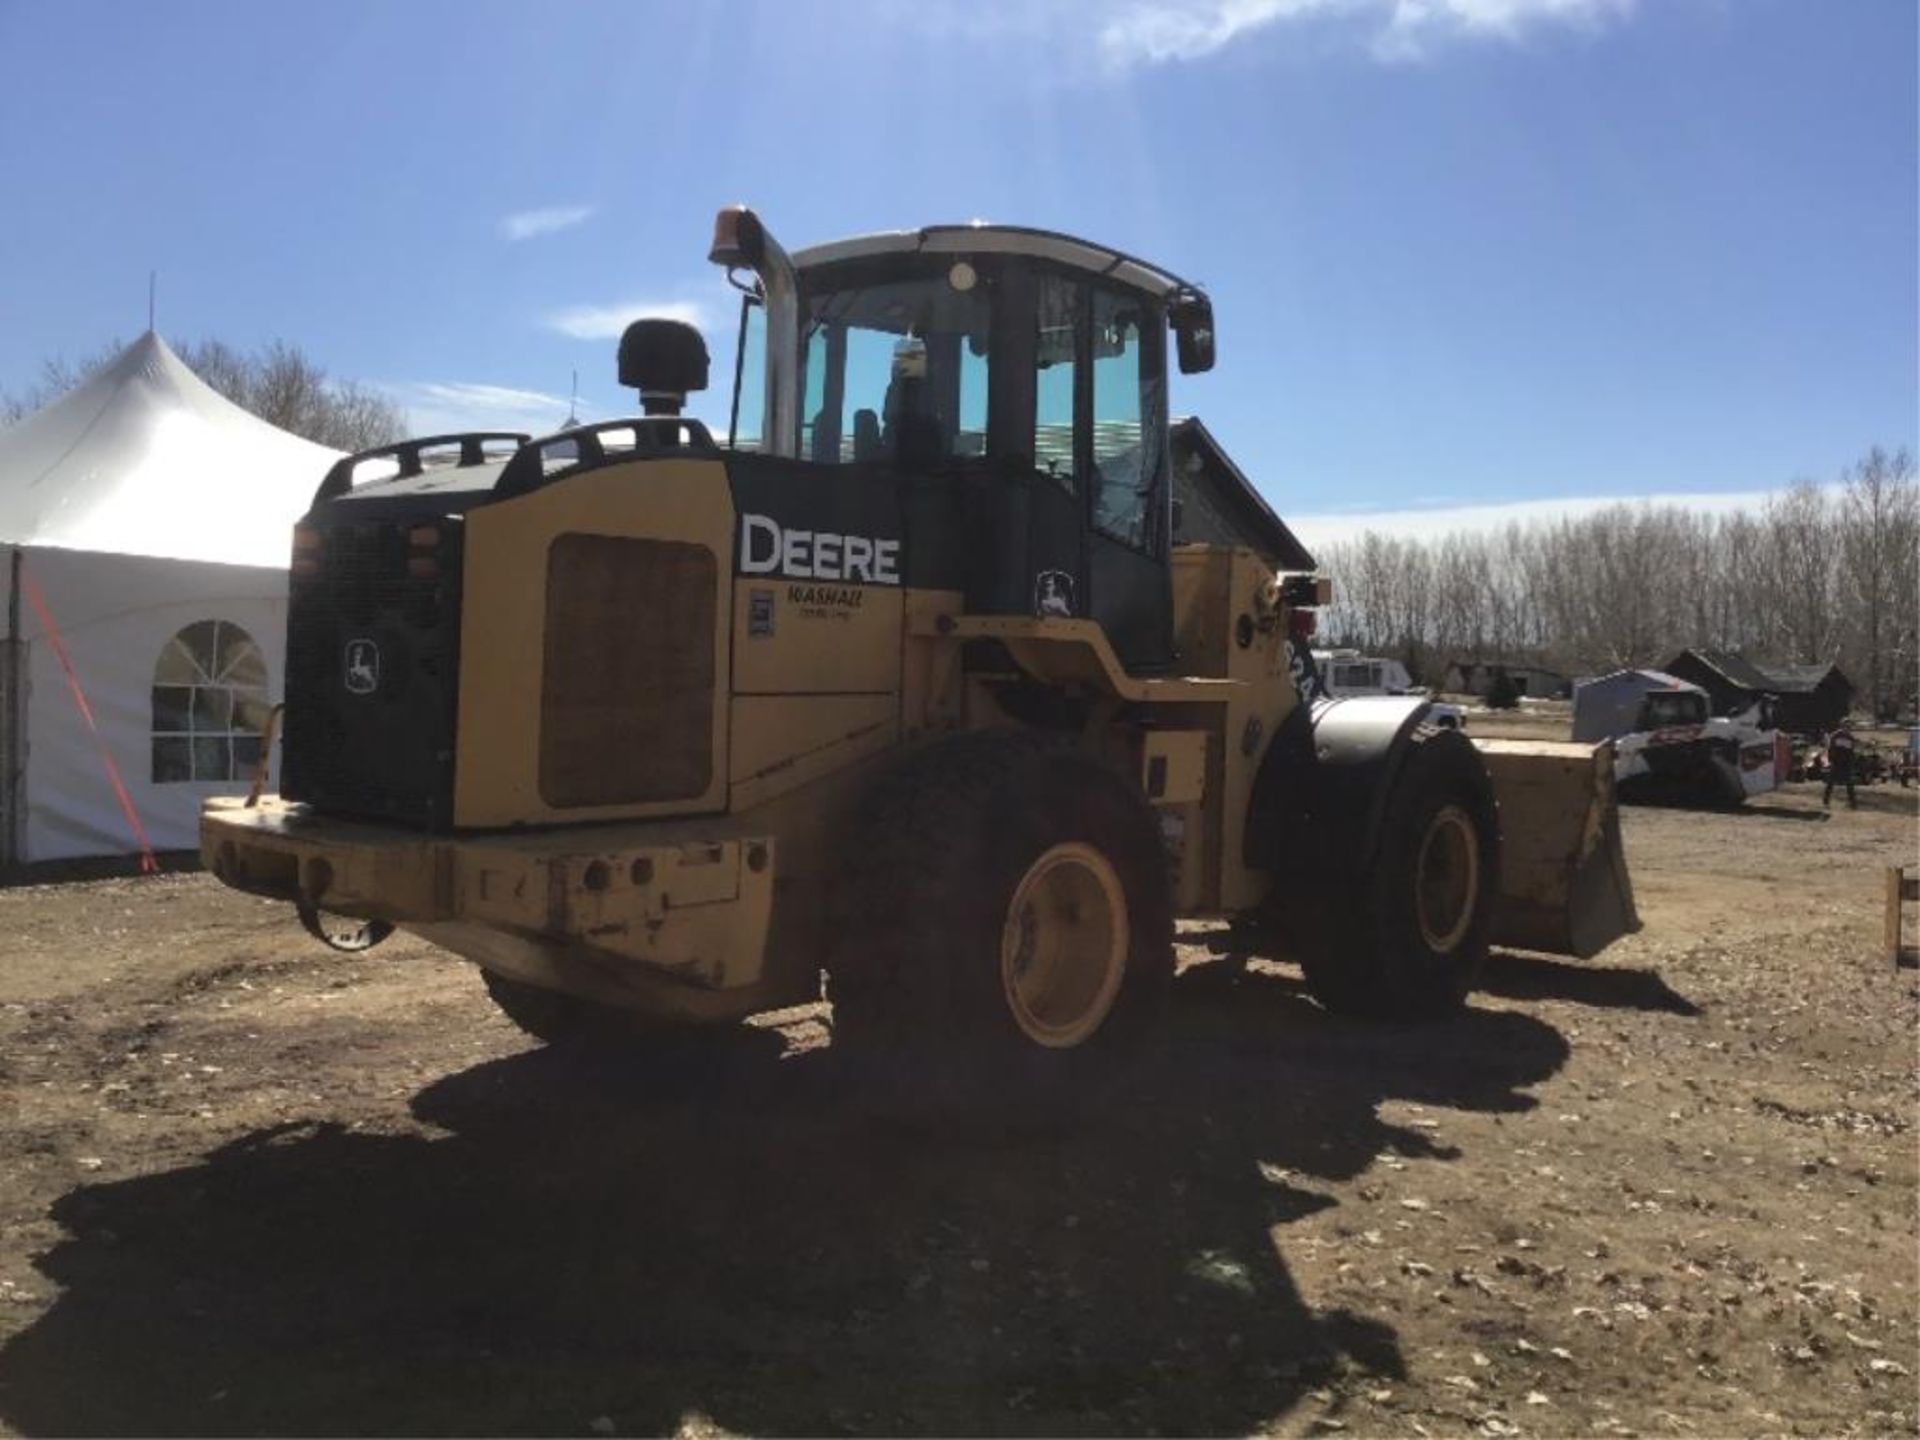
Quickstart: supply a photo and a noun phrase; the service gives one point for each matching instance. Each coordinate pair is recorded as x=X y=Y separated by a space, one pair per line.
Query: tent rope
x=148 y=864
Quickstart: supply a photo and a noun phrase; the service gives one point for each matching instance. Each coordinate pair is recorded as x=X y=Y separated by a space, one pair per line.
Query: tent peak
x=144 y=457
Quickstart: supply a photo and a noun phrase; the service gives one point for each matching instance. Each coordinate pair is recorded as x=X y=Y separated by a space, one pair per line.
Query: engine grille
x=372 y=671
x=627 y=683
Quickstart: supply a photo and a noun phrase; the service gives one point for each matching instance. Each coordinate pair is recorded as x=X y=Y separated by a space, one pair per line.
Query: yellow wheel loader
x=955 y=675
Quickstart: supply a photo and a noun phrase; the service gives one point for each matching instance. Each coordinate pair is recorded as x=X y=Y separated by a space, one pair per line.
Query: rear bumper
x=687 y=901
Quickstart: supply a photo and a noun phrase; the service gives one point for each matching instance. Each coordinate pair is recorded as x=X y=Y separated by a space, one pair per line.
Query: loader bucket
x=1564 y=887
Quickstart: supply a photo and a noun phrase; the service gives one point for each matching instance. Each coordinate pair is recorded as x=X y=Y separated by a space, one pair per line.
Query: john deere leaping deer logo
x=363 y=667
x=1053 y=594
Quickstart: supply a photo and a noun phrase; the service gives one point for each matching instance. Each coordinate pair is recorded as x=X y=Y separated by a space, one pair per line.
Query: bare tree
x=277 y=382
x=57 y=376
x=1879 y=536
x=1808 y=578
x=284 y=387
x=1801 y=555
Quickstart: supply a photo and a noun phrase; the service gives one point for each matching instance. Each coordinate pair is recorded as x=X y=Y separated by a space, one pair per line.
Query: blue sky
x=1461 y=251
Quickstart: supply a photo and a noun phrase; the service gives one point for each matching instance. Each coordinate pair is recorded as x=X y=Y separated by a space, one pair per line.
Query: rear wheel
x=1407 y=937
x=1005 y=927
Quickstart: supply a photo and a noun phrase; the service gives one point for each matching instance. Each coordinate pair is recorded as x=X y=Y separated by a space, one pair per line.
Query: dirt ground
x=250 y=1186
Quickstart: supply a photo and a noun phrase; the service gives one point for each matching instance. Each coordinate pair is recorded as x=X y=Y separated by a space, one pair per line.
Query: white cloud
x=1415 y=26
x=1154 y=31
x=492 y=399
x=525 y=224
x=1139 y=33
x=605 y=322
x=444 y=407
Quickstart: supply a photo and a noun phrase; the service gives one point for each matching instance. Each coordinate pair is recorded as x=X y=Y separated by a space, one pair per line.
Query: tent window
x=209 y=704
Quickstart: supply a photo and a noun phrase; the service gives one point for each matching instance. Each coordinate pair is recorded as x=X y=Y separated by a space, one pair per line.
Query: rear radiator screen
x=626 y=693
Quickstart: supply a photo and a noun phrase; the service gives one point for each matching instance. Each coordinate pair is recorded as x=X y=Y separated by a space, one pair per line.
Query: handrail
x=406 y=454
x=653 y=435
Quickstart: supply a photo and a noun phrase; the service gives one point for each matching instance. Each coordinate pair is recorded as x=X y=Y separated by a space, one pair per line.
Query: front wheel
x=1406 y=935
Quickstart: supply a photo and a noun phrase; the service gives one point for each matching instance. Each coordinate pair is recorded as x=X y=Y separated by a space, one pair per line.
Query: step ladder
x=1902 y=888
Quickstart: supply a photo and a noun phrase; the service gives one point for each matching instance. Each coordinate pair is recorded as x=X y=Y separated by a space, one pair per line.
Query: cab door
x=1026 y=527
x=1128 y=506
x=1056 y=528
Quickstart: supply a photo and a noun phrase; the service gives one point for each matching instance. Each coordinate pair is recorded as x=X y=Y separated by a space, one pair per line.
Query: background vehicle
x=1346 y=673
x=908 y=684
x=1666 y=745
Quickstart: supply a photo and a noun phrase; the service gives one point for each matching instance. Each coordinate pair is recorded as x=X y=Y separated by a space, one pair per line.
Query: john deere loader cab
x=1007 y=387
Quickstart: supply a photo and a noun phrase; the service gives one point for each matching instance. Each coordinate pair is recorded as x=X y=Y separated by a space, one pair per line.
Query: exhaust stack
x=742 y=242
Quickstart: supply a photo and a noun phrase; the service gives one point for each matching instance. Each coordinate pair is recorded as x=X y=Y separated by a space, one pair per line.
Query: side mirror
x=1191 y=316
x=1179 y=514
x=663 y=360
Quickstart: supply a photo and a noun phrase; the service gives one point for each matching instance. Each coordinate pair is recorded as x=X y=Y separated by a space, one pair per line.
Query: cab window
x=1675 y=707
x=1126 y=444
x=1056 y=365
x=896 y=373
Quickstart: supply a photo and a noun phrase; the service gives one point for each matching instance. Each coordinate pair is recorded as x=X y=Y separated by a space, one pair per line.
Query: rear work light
x=423 y=544
x=1299 y=590
x=306 y=550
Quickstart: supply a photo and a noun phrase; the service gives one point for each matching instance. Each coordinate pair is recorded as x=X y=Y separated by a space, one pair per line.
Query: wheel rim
x=1447 y=878
x=1063 y=949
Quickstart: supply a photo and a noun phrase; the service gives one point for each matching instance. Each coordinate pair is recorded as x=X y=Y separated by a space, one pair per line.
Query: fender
x=1323 y=786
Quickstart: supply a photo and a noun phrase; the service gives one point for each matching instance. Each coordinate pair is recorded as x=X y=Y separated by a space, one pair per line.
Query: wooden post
x=1901 y=888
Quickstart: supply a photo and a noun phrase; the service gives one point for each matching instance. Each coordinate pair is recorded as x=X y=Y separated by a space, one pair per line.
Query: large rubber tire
x=1004 y=928
x=1406 y=937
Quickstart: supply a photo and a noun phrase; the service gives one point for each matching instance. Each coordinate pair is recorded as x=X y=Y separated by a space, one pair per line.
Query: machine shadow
x=1879 y=799
x=1536 y=977
x=590 y=1239
x=1509 y=974
x=1760 y=810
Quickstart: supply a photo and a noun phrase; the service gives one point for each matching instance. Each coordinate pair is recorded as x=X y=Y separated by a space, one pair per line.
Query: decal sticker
x=362 y=676
x=826 y=602
x=768 y=548
x=759 y=613
x=1306 y=675
x=1052 y=593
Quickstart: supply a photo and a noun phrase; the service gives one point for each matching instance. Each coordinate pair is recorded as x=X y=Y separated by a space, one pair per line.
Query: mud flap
x=1564 y=887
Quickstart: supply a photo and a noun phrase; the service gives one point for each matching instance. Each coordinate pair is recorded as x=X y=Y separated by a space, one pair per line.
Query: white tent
x=149 y=520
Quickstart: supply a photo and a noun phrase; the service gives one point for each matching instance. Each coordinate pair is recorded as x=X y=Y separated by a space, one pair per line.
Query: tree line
x=1817 y=574
x=277 y=381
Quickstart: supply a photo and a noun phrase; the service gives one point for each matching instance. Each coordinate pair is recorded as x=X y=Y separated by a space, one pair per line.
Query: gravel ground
x=247 y=1185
